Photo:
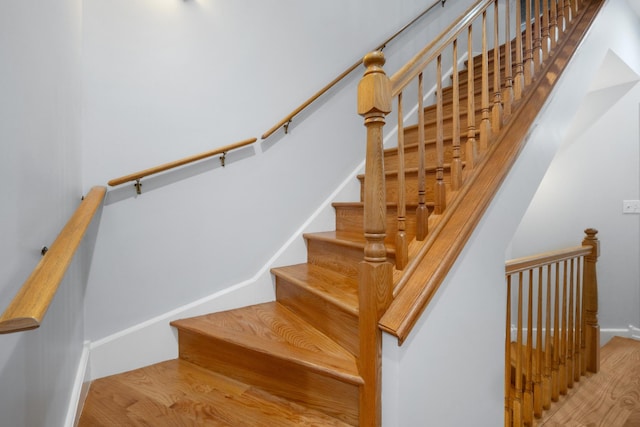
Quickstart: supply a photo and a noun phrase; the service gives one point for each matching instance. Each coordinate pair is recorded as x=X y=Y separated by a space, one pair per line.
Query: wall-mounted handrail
x=27 y=309
x=136 y=176
x=289 y=117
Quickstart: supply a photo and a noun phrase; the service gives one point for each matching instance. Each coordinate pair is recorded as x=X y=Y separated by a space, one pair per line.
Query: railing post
x=590 y=302
x=376 y=273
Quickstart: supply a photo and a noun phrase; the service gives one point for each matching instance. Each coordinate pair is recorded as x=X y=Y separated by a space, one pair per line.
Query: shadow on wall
x=128 y=190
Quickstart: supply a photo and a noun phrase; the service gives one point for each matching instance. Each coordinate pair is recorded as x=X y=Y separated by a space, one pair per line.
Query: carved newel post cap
x=374 y=59
x=592 y=239
x=374 y=89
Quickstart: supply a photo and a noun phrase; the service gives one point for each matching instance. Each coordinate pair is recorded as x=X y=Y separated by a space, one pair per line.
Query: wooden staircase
x=311 y=357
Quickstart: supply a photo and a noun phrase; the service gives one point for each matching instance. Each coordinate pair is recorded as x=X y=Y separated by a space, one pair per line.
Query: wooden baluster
x=472 y=145
x=577 y=356
x=546 y=42
x=402 y=246
x=528 y=389
x=553 y=24
x=583 y=347
x=422 y=212
x=496 y=112
x=562 y=373
x=528 y=49
x=537 y=381
x=508 y=405
x=376 y=273
x=576 y=8
x=519 y=398
x=570 y=331
x=562 y=21
x=567 y=13
x=555 y=374
x=456 y=162
x=508 y=67
x=590 y=302
x=546 y=379
x=440 y=195
x=518 y=81
x=537 y=38
x=485 y=123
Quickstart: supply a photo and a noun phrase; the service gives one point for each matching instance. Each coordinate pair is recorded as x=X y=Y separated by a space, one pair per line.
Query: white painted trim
x=153 y=340
x=80 y=388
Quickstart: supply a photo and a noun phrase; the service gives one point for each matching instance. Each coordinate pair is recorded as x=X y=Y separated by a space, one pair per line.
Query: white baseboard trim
x=80 y=388
x=154 y=340
x=629 y=332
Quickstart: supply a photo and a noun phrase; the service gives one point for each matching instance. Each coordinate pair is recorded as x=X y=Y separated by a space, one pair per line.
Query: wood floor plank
x=610 y=398
x=178 y=393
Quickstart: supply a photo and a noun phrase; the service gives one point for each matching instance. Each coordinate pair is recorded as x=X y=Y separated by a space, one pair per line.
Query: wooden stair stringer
x=424 y=274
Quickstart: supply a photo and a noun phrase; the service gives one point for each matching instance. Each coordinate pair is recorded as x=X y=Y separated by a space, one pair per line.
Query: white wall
x=596 y=168
x=451 y=369
x=40 y=188
x=166 y=79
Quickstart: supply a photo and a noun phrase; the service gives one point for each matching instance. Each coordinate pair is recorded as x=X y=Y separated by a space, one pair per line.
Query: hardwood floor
x=179 y=393
x=610 y=398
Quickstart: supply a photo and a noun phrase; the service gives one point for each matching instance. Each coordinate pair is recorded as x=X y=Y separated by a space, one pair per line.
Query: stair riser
x=411 y=133
x=330 y=319
x=411 y=186
x=343 y=259
x=351 y=219
x=288 y=380
x=411 y=156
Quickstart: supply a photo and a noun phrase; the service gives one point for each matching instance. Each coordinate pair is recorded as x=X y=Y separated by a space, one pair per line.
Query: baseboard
x=155 y=340
x=629 y=332
x=80 y=388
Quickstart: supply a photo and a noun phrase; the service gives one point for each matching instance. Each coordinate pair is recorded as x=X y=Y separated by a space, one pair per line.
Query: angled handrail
x=136 y=176
x=289 y=117
x=28 y=307
x=496 y=116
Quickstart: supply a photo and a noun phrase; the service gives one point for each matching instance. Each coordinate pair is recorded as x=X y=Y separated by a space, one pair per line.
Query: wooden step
x=179 y=393
x=411 y=148
x=340 y=251
x=270 y=347
x=350 y=218
x=322 y=297
x=411 y=184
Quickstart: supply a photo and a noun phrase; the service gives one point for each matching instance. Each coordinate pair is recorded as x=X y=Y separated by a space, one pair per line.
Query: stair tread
x=176 y=392
x=344 y=238
x=270 y=328
x=339 y=289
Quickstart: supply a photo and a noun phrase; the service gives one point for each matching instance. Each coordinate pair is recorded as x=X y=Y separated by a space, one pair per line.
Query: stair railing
x=27 y=309
x=556 y=294
x=484 y=99
x=137 y=176
x=286 y=121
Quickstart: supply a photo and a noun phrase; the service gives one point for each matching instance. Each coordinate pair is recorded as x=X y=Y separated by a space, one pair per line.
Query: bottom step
x=178 y=393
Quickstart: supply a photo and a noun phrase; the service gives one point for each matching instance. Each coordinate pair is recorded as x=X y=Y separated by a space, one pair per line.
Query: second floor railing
x=552 y=336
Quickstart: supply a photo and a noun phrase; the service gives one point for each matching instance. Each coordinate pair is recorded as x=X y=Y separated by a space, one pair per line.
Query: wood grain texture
x=177 y=163
x=27 y=309
x=178 y=393
x=322 y=297
x=610 y=398
x=425 y=272
x=268 y=346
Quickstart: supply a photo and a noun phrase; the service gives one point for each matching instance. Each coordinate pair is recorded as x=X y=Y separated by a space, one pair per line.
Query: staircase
x=312 y=356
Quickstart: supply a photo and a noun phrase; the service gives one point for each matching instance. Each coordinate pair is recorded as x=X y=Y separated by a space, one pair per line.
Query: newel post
x=590 y=302
x=376 y=273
